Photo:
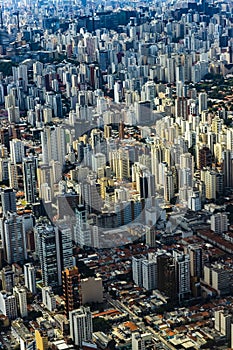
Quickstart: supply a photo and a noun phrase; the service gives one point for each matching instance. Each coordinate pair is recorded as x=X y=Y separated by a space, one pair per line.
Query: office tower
x=182 y=264
x=219 y=223
x=29 y=179
x=8 y=200
x=21 y=298
x=81 y=327
x=70 y=287
x=202 y=102
x=13 y=237
x=149 y=273
x=17 y=151
x=48 y=298
x=64 y=248
x=53 y=144
x=8 y=279
x=8 y=305
x=167 y=282
x=137 y=269
x=30 y=277
x=45 y=236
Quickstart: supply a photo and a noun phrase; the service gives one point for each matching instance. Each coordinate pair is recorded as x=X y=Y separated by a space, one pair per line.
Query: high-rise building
x=12 y=228
x=41 y=340
x=8 y=200
x=48 y=298
x=182 y=263
x=149 y=273
x=53 y=144
x=8 y=279
x=8 y=305
x=13 y=175
x=167 y=282
x=30 y=277
x=64 y=248
x=70 y=286
x=91 y=196
x=81 y=326
x=17 y=151
x=143 y=112
x=137 y=269
x=228 y=167
x=45 y=235
x=21 y=299
x=151 y=236
x=219 y=223
x=202 y=102
x=29 y=179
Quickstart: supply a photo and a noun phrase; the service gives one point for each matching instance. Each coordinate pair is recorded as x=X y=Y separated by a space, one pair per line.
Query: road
x=133 y=317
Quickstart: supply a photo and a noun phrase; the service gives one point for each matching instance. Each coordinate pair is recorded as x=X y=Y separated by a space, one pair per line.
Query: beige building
x=91 y=290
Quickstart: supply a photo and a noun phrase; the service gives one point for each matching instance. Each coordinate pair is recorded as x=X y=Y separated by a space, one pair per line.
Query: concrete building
x=21 y=298
x=48 y=298
x=81 y=326
x=30 y=277
x=8 y=305
x=91 y=290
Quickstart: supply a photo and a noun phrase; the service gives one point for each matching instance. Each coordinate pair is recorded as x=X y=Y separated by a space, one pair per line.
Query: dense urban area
x=116 y=174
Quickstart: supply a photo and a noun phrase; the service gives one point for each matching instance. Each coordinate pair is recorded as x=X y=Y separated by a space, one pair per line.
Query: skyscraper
x=8 y=200
x=70 y=287
x=182 y=264
x=53 y=144
x=137 y=269
x=29 y=179
x=30 y=277
x=167 y=282
x=64 y=248
x=21 y=299
x=46 y=249
x=12 y=228
x=8 y=305
x=8 y=279
x=81 y=326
